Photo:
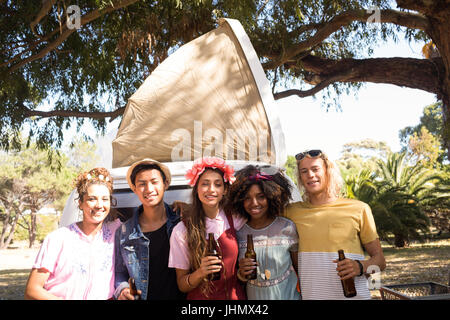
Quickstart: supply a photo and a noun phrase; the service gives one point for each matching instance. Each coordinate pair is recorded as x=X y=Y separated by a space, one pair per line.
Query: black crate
x=416 y=291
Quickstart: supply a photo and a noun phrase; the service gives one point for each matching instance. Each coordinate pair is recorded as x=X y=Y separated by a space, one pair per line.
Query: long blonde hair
x=334 y=179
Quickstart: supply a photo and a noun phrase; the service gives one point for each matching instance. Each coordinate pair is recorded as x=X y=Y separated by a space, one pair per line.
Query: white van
x=127 y=200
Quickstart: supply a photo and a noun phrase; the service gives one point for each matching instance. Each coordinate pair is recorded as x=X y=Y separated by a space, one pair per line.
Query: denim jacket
x=131 y=250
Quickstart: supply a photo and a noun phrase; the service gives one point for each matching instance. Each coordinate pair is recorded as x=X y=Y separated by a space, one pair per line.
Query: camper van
x=209 y=98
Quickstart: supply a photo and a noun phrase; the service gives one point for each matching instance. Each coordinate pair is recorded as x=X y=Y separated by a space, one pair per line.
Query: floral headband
x=201 y=164
x=99 y=177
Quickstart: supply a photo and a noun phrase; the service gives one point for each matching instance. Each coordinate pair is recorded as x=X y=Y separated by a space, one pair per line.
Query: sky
x=376 y=111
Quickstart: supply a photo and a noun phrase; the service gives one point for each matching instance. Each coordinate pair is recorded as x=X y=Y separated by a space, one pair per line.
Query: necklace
x=267 y=274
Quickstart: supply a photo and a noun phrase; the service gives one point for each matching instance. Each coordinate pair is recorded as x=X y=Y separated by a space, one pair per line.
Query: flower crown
x=94 y=175
x=201 y=164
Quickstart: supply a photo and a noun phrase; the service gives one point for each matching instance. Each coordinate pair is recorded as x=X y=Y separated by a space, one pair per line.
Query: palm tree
x=397 y=194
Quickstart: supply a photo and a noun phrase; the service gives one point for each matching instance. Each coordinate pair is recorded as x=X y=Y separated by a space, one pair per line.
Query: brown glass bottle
x=250 y=253
x=133 y=290
x=348 y=285
x=213 y=250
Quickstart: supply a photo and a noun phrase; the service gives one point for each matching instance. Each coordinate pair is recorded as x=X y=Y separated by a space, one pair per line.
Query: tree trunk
x=438 y=15
x=400 y=241
x=32 y=234
x=440 y=33
x=8 y=234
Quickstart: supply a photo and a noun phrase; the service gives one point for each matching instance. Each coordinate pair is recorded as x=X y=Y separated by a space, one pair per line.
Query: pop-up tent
x=209 y=98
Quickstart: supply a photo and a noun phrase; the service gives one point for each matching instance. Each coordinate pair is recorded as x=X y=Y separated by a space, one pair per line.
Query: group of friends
x=160 y=252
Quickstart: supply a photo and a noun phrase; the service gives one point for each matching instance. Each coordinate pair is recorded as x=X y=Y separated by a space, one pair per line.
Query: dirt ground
x=15 y=266
x=418 y=263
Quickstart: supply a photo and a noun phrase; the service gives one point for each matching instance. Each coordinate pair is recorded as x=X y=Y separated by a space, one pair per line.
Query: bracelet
x=187 y=281
x=240 y=277
x=361 y=269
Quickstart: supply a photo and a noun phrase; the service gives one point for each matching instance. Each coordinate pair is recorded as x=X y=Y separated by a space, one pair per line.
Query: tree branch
x=410 y=20
x=69 y=113
x=425 y=7
x=342 y=77
x=46 y=6
x=420 y=74
x=67 y=32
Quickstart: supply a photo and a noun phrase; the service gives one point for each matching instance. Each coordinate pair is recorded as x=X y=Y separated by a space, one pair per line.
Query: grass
x=426 y=262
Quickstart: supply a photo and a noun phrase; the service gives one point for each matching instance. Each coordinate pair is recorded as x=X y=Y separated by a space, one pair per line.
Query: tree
x=424 y=148
x=423 y=139
x=361 y=154
x=28 y=182
x=398 y=195
x=13 y=201
x=324 y=43
x=291 y=168
x=81 y=154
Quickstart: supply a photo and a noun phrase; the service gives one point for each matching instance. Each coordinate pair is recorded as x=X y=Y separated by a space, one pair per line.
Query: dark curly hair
x=276 y=189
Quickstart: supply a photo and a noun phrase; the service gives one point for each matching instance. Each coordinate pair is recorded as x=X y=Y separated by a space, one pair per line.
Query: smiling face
x=312 y=173
x=210 y=188
x=96 y=204
x=255 y=203
x=149 y=186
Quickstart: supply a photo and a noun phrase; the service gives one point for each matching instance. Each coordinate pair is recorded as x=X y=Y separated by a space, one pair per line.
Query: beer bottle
x=250 y=253
x=133 y=290
x=212 y=250
x=348 y=285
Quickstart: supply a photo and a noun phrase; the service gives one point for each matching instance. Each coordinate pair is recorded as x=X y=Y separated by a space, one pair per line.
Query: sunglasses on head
x=310 y=153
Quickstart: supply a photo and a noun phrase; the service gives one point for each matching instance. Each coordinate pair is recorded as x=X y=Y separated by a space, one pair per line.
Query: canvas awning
x=209 y=98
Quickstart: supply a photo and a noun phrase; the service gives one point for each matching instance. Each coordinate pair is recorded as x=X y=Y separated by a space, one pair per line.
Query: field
x=425 y=262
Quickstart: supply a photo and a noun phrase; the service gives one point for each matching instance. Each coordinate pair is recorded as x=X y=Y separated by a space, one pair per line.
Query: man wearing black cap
x=142 y=243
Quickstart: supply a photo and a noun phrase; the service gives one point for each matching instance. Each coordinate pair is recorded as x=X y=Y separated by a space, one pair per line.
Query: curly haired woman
x=261 y=197
x=210 y=178
x=77 y=262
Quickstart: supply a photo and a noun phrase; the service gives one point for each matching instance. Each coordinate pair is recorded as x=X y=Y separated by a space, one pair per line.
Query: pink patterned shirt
x=81 y=267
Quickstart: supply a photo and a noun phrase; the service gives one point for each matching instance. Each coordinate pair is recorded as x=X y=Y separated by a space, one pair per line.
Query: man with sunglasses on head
x=326 y=223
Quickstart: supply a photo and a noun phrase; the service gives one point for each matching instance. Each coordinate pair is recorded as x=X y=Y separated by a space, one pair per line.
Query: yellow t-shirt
x=323 y=230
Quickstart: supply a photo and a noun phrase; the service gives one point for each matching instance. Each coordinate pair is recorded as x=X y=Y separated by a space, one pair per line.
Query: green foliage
x=81 y=154
x=398 y=195
x=45 y=225
x=425 y=141
x=29 y=182
x=362 y=154
x=97 y=67
x=291 y=168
